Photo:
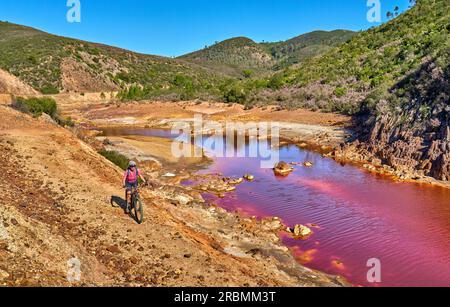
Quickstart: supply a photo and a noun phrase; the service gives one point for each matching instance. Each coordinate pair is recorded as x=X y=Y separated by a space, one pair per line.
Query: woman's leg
x=127 y=199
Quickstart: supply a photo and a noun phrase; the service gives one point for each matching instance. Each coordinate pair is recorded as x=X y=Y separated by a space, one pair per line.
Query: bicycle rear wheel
x=138 y=210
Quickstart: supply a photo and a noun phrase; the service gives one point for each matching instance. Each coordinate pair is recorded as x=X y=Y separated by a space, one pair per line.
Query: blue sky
x=175 y=27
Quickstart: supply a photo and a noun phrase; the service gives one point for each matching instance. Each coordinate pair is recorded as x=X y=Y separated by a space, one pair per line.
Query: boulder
x=300 y=232
x=282 y=169
x=236 y=181
x=47 y=119
x=273 y=224
x=249 y=177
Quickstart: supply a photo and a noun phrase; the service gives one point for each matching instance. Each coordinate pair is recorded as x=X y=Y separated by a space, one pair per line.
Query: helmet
x=132 y=164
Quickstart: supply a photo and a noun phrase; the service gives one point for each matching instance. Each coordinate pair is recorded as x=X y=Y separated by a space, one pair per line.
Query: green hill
x=242 y=56
x=306 y=46
x=233 y=56
x=53 y=64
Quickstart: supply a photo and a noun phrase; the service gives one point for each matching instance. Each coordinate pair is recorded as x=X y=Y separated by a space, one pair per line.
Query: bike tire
x=138 y=210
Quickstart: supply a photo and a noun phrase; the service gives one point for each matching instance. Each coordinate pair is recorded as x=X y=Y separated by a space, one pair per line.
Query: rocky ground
x=60 y=200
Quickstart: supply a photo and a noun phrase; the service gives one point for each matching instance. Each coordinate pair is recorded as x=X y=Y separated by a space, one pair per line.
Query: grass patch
x=116 y=158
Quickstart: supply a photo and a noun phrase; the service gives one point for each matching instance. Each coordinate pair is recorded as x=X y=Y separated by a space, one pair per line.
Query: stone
x=301 y=232
x=236 y=181
x=169 y=175
x=107 y=142
x=3 y=275
x=273 y=224
x=249 y=177
x=114 y=249
x=47 y=119
x=282 y=169
x=308 y=164
x=230 y=189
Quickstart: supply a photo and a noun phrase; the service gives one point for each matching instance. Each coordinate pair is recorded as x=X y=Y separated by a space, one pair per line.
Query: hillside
x=233 y=56
x=306 y=46
x=394 y=77
x=238 y=56
x=10 y=84
x=53 y=64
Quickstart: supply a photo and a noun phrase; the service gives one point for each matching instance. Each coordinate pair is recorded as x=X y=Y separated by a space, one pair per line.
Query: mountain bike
x=137 y=206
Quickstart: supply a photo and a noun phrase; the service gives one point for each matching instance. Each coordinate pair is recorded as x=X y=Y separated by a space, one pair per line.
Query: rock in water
x=308 y=164
x=249 y=177
x=236 y=182
x=302 y=232
x=282 y=169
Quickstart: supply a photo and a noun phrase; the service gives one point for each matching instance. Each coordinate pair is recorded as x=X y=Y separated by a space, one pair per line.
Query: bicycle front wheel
x=139 y=210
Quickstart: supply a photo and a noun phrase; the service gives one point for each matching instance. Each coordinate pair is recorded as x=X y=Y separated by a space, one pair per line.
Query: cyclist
x=130 y=181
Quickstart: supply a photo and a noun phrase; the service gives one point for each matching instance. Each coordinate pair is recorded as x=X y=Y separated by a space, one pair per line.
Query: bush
x=65 y=122
x=276 y=82
x=37 y=106
x=134 y=92
x=340 y=92
x=116 y=158
x=235 y=95
x=247 y=73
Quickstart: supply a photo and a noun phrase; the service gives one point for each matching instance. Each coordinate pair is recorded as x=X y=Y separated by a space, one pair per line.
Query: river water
x=356 y=216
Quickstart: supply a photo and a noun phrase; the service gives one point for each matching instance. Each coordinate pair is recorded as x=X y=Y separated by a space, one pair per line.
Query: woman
x=130 y=181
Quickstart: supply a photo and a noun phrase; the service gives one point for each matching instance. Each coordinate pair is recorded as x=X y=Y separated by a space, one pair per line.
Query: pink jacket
x=131 y=177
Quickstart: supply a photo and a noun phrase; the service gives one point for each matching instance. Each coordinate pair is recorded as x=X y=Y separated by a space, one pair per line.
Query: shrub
x=37 y=106
x=276 y=82
x=116 y=158
x=235 y=95
x=134 y=92
x=247 y=73
x=340 y=92
x=65 y=122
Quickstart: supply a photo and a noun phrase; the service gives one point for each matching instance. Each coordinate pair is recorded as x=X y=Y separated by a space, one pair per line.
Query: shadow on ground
x=117 y=201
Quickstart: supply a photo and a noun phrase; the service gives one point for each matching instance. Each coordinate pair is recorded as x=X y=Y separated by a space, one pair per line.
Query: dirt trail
x=55 y=205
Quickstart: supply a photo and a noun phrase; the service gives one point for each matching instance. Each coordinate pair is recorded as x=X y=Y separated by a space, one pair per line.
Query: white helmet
x=132 y=164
